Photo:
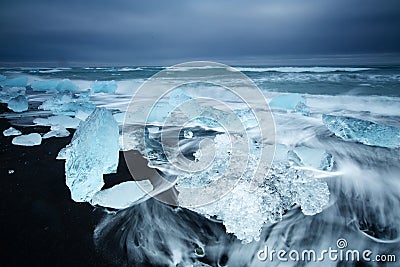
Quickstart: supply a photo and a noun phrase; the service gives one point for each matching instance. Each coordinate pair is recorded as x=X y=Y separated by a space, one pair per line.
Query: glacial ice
x=45 y=85
x=56 y=131
x=121 y=195
x=61 y=120
x=7 y=93
x=93 y=151
x=108 y=87
x=244 y=211
x=18 y=104
x=66 y=86
x=363 y=131
x=15 y=82
x=68 y=104
x=11 y=131
x=293 y=102
x=178 y=97
x=33 y=139
x=2 y=77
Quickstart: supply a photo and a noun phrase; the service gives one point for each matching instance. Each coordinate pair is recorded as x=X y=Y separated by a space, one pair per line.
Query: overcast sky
x=157 y=32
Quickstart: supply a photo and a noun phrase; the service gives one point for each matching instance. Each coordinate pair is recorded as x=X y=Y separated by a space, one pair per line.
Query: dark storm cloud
x=152 y=32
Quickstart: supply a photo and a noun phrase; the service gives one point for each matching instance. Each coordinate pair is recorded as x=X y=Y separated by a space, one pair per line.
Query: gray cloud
x=152 y=32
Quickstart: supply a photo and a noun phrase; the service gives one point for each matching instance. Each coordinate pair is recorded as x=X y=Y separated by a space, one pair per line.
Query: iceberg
x=45 y=85
x=293 y=102
x=68 y=104
x=15 y=82
x=56 y=131
x=93 y=151
x=121 y=195
x=33 y=139
x=18 y=104
x=66 y=86
x=11 y=131
x=363 y=131
x=60 y=120
x=108 y=87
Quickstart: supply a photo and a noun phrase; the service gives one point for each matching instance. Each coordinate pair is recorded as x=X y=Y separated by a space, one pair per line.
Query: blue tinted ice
x=11 y=131
x=68 y=104
x=365 y=132
x=93 y=151
x=18 y=104
x=33 y=139
x=45 y=85
x=108 y=87
x=15 y=82
x=7 y=93
x=293 y=102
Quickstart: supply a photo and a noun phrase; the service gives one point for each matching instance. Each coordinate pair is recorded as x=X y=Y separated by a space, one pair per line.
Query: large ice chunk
x=93 y=151
x=293 y=102
x=121 y=195
x=108 y=87
x=18 y=104
x=33 y=139
x=15 y=82
x=68 y=104
x=44 y=85
x=11 y=131
x=365 y=132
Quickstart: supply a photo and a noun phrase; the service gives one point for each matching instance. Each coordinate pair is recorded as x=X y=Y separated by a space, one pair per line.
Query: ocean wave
x=301 y=69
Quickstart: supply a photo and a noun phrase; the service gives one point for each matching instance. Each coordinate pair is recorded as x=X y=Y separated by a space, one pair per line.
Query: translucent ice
x=2 y=77
x=56 y=131
x=68 y=104
x=7 y=93
x=121 y=195
x=15 y=82
x=45 y=85
x=93 y=151
x=61 y=120
x=33 y=139
x=108 y=87
x=365 y=132
x=18 y=104
x=294 y=102
x=11 y=131
x=66 y=86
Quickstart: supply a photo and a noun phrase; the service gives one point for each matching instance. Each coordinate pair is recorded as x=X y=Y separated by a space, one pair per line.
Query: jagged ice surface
x=93 y=151
x=363 y=131
x=18 y=104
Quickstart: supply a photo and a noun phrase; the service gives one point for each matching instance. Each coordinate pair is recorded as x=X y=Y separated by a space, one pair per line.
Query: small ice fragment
x=62 y=120
x=363 y=131
x=11 y=131
x=108 y=87
x=56 y=131
x=121 y=195
x=294 y=102
x=45 y=85
x=93 y=151
x=18 y=104
x=32 y=139
x=188 y=134
x=66 y=86
x=15 y=82
x=10 y=171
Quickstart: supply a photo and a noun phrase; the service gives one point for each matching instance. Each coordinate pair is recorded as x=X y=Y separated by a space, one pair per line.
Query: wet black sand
x=40 y=224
